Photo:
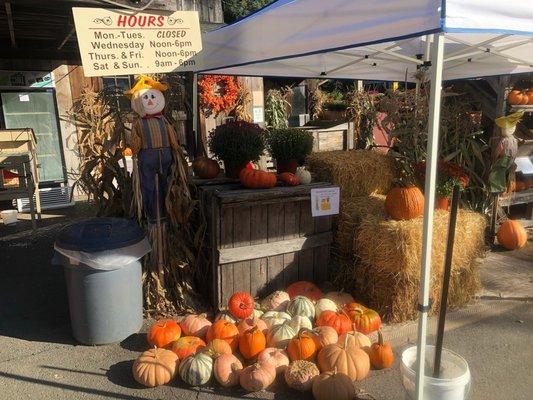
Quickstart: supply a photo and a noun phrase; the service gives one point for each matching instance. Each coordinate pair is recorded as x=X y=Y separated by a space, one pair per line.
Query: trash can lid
x=99 y=234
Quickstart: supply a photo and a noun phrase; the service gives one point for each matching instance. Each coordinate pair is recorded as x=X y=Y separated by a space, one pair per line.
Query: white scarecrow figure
x=504 y=153
x=153 y=143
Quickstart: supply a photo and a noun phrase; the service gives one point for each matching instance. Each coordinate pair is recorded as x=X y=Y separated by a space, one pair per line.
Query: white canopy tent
x=381 y=40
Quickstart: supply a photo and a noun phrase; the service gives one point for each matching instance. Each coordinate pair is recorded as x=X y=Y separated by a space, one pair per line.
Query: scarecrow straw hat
x=510 y=120
x=145 y=82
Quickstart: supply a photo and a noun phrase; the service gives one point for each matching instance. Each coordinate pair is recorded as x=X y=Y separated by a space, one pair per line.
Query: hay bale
x=356 y=172
x=383 y=272
x=396 y=246
x=352 y=212
x=395 y=297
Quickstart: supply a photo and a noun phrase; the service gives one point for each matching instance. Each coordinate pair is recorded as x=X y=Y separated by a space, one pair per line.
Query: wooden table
x=262 y=240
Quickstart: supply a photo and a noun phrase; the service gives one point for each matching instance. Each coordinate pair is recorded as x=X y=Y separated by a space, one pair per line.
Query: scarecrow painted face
x=152 y=101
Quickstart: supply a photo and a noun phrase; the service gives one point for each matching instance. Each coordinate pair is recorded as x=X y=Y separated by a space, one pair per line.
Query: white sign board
x=258 y=115
x=524 y=165
x=120 y=42
x=325 y=201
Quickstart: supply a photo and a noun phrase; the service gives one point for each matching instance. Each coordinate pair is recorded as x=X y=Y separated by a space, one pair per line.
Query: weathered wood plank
x=225 y=240
x=241 y=229
x=236 y=194
x=305 y=257
x=321 y=263
x=226 y=228
x=258 y=235
x=275 y=230
x=291 y=231
x=237 y=254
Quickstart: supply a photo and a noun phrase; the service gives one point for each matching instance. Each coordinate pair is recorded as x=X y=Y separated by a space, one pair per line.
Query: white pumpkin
x=276 y=301
x=298 y=322
x=340 y=298
x=303 y=175
x=196 y=369
x=301 y=306
x=280 y=335
x=256 y=313
x=273 y=318
x=323 y=305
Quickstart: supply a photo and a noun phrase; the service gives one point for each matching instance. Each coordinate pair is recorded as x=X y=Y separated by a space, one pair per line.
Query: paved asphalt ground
x=39 y=359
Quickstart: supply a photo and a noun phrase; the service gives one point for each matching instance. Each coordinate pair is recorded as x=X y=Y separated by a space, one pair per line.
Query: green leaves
x=289 y=144
x=237 y=142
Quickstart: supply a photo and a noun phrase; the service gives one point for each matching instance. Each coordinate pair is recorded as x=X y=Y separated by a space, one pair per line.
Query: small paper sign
x=325 y=201
x=121 y=42
x=258 y=115
x=524 y=165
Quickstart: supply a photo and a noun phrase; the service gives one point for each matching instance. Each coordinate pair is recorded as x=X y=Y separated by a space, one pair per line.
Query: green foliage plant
x=237 y=142
x=289 y=144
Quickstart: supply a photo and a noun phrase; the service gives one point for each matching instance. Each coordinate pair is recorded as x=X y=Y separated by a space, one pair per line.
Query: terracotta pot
x=442 y=203
x=233 y=170
x=287 y=166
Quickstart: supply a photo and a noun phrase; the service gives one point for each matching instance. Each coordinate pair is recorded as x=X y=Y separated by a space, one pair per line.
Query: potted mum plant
x=289 y=146
x=237 y=143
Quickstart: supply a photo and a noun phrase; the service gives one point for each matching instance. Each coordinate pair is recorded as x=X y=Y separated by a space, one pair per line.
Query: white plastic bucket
x=454 y=383
x=9 y=216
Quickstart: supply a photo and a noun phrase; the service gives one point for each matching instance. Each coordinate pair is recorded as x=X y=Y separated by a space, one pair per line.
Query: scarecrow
x=504 y=153
x=155 y=149
x=153 y=142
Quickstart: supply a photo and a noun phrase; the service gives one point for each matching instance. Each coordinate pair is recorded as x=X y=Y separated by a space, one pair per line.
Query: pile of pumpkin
x=315 y=342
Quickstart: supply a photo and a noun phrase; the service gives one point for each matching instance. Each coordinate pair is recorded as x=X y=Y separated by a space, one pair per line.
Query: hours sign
x=119 y=42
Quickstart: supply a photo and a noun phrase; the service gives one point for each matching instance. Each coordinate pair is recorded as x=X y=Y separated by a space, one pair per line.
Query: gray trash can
x=101 y=257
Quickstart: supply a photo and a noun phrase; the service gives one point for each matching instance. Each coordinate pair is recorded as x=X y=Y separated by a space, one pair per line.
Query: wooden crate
x=262 y=240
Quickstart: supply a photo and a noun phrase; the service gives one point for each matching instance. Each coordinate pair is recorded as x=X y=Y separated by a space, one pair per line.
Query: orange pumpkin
x=302 y=347
x=155 y=367
x=516 y=97
x=521 y=186
x=365 y=319
x=304 y=288
x=381 y=355
x=249 y=323
x=218 y=347
x=442 y=203
x=163 y=333
x=337 y=320
x=195 y=325
x=403 y=203
x=226 y=370
x=187 y=345
x=241 y=305
x=512 y=235
x=289 y=178
x=529 y=94
x=205 y=168
x=127 y=152
x=257 y=376
x=277 y=357
x=251 y=343
x=324 y=335
x=333 y=385
x=224 y=330
x=257 y=179
x=348 y=360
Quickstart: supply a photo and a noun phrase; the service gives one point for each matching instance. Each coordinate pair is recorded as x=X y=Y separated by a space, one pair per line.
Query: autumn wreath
x=218 y=93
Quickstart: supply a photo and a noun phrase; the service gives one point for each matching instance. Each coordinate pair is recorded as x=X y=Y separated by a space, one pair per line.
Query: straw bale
x=384 y=270
x=356 y=172
x=396 y=246
x=395 y=297
x=352 y=212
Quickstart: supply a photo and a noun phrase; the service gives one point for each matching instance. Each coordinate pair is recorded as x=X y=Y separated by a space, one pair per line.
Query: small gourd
x=300 y=374
x=303 y=175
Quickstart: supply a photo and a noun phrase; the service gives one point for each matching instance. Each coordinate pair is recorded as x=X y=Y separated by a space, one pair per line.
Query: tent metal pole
x=437 y=60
